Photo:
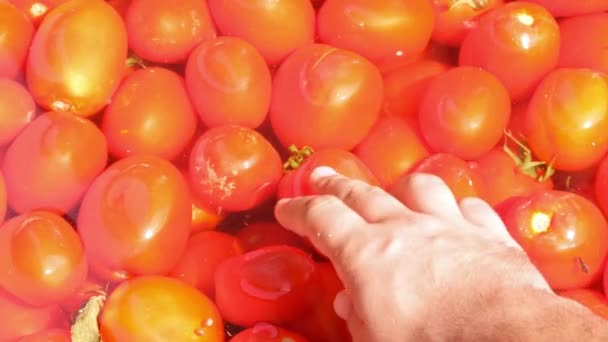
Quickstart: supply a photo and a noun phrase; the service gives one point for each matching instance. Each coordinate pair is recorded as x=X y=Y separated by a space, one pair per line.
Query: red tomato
x=156 y=308
x=121 y=6
x=49 y=335
x=404 y=87
x=275 y=27
x=263 y=234
x=569 y=8
x=567 y=119
x=2 y=197
x=44 y=168
x=517 y=42
x=19 y=319
x=455 y=18
x=234 y=168
x=77 y=57
x=516 y=125
x=135 y=218
x=272 y=284
x=229 y=83
x=592 y=299
x=601 y=185
x=464 y=112
x=378 y=30
x=42 y=260
x=324 y=97
x=203 y=218
x=77 y=300
x=17 y=109
x=150 y=114
x=579 y=182
x=264 y=332
x=433 y=52
x=204 y=252
x=581 y=45
x=17 y=32
x=390 y=149
x=564 y=234
x=36 y=9
x=167 y=31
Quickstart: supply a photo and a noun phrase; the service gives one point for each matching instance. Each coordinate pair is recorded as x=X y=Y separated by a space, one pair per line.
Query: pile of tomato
x=143 y=144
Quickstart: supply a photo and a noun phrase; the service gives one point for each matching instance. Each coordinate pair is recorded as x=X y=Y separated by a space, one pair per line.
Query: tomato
x=378 y=30
x=166 y=31
x=49 y=335
x=516 y=125
x=390 y=149
x=2 y=198
x=261 y=234
x=517 y=42
x=264 y=332
x=77 y=300
x=271 y=284
x=44 y=168
x=592 y=299
x=601 y=185
x=154 y=308
x=464 y=112
x=42 y=260
x=204 y=218
x=121 y=6
x=433 y=52
x=19 y=319
x=581 y=45
x=229 y=83
x=324 y=97
x=17 y=109
x=135 y=218
x=36 y=9
x=204 y=252
x=569 y=8
x=579 y=182
x=234 y=168
x=564 y=234
x=17 y=32
x=150 y=114
x=455 y=18
x=404 y=87
x=567 y=119
x=75 y=65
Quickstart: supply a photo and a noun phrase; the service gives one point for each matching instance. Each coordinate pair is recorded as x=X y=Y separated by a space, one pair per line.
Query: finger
x=370 y=202
x=480 y=213
x=427 y=194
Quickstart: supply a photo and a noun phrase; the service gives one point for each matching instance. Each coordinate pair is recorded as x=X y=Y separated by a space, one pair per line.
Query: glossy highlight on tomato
x=17 y=32
x=455 y=18
x=36 y=10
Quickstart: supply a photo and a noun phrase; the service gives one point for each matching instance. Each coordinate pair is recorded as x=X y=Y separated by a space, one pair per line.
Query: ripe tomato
x=2 y=197
x=261 y=234
x=17 y=109
x=567 y=119
x=517 y=42
x=579 y=182
x=433 y=52
x=569 y=8
x=42 y=261
x=464 y=112
x=121 y=6
x=378 y=30
x=564 y=234
x=229 y=83
x=581 y=45
x=156 y=308
x=77 y=300
x=594 y=300
x=73 y=64
x=272 y=285
x=390 y=149
x=150 y=114
x=49 y=335
x=44 y=168
x=455 y=18
x=404 y=87
x=264 y=332
x=166 y=31
x=36 y=9
x=234 y=168
x=275 y=27
x=135 y=218
x=204 y=218
x=324 y=97
x=203 y=254
x=601 y=185
x=17 y=32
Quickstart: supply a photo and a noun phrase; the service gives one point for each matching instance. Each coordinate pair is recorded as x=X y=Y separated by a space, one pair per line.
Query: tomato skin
x=324 y=97
x=275 y=28
x=153 y=308
x=601 y=185
x=234 y=168
x=581 y=46
x=73 y=65
x=135 y=218
x=567 y=119
x=17 y=34
x=89 y=288
x=262 y=234
x=17 y=109
x=42 y=260
x=264 y=332
x=272 y=285
x=43 y=168
x=204 y=219
x=203 y=254
x=19 y=319
x=229 y=83
x=517 y=42
x=454 y=18
x=49 y=335
x=377 y=30
x=592 y=299
x=564 y=234
x=148 y=95
x=2 y=197
x=166 y=32
x=568 y=8
x=36 y=10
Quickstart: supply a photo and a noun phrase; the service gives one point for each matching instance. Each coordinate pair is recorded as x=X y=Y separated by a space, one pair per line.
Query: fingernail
x=282 y=201
x=322 y=172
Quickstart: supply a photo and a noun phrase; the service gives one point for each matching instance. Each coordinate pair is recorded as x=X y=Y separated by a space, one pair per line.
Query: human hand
x=416 y=265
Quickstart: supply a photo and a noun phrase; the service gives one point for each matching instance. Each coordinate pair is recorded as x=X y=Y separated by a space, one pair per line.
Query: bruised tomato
x=325 y=97
x=77 y=57
x=269 y=233
x=581 y=45
x=49 y=335
x=154 y=308
x=17 y=109
x=17 y=32
x=569 y=8
x=135 y=218
x=264 y=332
x=592 y=299
x=44 y=168
x=455 y=18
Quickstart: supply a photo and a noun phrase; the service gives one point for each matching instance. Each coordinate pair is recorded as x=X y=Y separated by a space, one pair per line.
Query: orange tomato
x=17 y=32
x=17 y=109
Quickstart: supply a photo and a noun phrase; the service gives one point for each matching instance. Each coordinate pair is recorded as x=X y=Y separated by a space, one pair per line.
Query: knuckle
x=319 y=203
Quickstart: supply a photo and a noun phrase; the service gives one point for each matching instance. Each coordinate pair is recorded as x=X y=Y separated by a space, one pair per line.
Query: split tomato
x=17 y=109
x=264 y=332
x=17 y=32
